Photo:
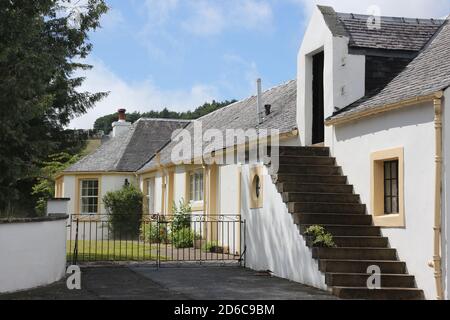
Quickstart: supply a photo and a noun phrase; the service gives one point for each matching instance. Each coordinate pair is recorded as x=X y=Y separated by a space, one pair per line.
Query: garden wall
x=32 y=252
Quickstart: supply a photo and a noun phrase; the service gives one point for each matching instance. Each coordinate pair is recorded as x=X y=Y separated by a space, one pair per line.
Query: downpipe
x=437 y=259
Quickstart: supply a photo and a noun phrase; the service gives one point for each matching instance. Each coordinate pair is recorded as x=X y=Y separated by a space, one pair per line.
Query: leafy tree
x=40 y=50
x=105 y=123
x=44 y=189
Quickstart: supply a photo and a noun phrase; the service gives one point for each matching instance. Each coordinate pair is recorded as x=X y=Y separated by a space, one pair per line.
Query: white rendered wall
x=413 y=129
x=273 y=240
x=31 y=254
x=344 y=75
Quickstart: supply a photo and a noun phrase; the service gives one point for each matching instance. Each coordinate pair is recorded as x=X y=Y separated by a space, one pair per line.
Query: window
x=387 y=188
x=257 y=185
x=196 y=186
x=391 y=187
x=89 y=196
x=257 y=189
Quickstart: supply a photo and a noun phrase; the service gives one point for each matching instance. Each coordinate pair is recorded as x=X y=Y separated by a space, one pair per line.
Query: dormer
x=345 y=57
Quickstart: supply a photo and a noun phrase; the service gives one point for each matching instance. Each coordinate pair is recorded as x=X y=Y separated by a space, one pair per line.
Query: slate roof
x=243 y=115
x=429 y=72
x=130 y=151
x=403 y=34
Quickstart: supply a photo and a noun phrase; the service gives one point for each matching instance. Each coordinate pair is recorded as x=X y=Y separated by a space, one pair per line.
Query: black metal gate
x=156 y=238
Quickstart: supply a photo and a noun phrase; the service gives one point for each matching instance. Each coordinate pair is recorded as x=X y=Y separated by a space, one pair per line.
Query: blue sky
x=152 y=54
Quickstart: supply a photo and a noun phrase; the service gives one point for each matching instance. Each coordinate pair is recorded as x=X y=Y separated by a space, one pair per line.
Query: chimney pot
x=122 y=115
x=268 y=108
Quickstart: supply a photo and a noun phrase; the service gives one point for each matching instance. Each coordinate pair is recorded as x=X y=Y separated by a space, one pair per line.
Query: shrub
x=184 y=238
x=320 y=237
x=124 y=208
x=181 y=216
x=153 y=232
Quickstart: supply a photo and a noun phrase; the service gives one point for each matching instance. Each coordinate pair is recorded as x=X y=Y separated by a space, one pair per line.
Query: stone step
x=309 y=170
x=361 y=266
x=314 y=187
x=304 y=151
x=360 y=280
x=323 y=207
x=346 y=230
x=369 y=242
x=332 y=218
x=378 y=294
x=355 y=253
x=299 y=160
x=320 y=197
x=302 y=178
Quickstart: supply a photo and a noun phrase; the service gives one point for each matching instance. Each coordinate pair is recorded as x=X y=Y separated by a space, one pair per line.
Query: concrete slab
x=145 y=282
x=229 y=283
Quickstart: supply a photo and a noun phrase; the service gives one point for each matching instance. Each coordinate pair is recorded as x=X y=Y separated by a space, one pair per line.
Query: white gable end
x=344 y=74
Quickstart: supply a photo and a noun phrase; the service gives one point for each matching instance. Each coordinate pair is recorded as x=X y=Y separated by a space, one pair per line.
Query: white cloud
x=239 y=77
x=206 y=19
x=400 y=8
x=112 y=19
x=170 y=22
x=143 y=96
x=159 y=10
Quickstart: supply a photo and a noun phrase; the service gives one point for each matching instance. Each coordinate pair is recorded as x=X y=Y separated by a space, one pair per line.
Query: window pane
x=387 y=205
x=387 y=188
x=387 y=170
x=84 y=205
x=395 y=188
x=394 y=205
x=394 y=170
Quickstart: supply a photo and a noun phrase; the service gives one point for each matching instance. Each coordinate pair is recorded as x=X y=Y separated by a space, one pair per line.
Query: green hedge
x=124 y=208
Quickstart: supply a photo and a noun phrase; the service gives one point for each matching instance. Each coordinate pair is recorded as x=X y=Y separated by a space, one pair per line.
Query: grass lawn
x=112 y=250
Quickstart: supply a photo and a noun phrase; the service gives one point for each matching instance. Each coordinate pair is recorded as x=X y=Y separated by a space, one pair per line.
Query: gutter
x=380 y=109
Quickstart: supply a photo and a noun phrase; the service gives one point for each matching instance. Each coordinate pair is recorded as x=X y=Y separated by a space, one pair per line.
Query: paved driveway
x=174 y=283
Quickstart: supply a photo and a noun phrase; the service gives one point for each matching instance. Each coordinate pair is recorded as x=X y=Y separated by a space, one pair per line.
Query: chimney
x=122 y=126
x=122 y=115
x=258 y=100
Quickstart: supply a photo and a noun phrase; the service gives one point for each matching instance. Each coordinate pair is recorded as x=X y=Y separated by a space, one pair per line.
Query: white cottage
x=360 y=141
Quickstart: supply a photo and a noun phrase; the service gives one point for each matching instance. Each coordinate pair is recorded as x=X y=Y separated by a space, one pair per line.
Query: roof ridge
x=163 y=119
x=250 y=97
x=392 y=18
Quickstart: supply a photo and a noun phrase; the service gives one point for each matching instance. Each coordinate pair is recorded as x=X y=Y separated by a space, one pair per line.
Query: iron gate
x=156 y=238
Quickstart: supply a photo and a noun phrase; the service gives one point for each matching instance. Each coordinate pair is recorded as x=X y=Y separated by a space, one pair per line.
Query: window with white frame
x=89 y=196
x=196 y=186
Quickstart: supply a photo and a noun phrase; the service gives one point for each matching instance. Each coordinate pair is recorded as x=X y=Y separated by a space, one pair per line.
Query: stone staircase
x=317 y=193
